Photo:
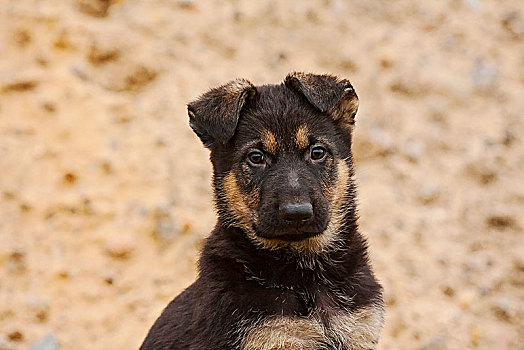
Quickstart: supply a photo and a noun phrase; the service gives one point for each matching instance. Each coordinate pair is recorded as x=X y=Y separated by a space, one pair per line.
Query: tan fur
x=337 y=208
x=240 y=211
x=325 y=241
x=236 y=92
x=346 y=108
x=269 y=141
x=288 y=333
x=302 y=136
x=357 y=330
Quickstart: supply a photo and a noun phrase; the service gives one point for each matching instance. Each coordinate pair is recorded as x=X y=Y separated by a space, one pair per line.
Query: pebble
x=48 y=342
x=119 y=248
x=414 y=150
x=448 y=291
x=80 y=73
x=481 y=171
x=186 y=4
x=501 y=222
x=428 y=193
x=5 y=343
x=484 y=75
x=504 y=308
x=513 y=23
x=465 y=299
x=16 y=261
x=434 y=343
x=473 y=4
x=16 y=336
x=165 y=227
x=476 y=336
x=39 y=306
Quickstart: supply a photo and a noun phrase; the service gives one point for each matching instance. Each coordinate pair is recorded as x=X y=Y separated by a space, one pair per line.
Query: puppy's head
x=281 y=158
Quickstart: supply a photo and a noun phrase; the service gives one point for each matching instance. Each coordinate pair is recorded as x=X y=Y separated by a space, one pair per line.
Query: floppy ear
x=327 y=93
x=214 y=115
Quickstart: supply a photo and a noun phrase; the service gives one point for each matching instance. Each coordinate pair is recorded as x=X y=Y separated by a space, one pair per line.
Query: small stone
x=22 y=37
x=95 y=8
x=63 y=273
x=5 y=344
x=501 y=222
x=428 y=193
x=512 y=22
x=434 y=343
x=19 y=86
x=165 y=227
x=465 y=299
x=49 y=106
x=80 y=73
x=62 y=42
x=107 y=167
x=16 y=261
x=476 y=335
x=119 y=248
x=481 y=171
x=15 y=336
x=448 y=291
x=414 y=150
x=504 y=309
x=484 y=76
x=187 y=225
x=25 y=207
x=99 y=56
x=70 y=178
x=39 y=306
x=473 y=4
x=48 y=342
x=186 y=4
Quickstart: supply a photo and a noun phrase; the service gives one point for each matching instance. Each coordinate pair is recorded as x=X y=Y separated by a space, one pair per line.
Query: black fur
x=239 y=281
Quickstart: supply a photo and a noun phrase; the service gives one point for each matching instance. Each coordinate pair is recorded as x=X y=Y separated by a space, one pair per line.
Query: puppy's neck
x=230 y=254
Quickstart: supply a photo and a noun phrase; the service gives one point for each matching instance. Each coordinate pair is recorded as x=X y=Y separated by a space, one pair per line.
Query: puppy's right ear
x=328 y=94
x=214 y=115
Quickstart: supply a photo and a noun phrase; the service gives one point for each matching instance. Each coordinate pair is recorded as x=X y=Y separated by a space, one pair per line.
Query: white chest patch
x=357 y=330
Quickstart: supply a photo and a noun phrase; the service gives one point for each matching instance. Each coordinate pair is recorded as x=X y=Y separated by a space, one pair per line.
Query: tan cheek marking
x=337 y=211
x=311 y=246
x=302 y=137
x=269 y=141
x=235 y=200
x=291 y=333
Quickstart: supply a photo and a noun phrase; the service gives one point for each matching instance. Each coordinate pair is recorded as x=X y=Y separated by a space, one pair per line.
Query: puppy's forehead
x=281 y=119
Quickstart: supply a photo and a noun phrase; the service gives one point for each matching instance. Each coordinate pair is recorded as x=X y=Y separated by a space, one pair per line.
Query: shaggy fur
x=285 y=266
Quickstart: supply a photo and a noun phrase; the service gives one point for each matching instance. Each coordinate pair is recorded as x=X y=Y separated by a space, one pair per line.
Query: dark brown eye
x=318 y=153
x=255 y=157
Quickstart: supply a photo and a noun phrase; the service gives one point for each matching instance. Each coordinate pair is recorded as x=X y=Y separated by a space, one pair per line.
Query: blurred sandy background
x=105 y=192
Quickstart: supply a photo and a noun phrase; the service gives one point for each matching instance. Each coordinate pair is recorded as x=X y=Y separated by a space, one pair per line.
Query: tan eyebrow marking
x=269 y=141
x=302 y=140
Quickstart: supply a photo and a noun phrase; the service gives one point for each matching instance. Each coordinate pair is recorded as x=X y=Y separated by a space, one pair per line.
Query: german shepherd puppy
x=285 y=266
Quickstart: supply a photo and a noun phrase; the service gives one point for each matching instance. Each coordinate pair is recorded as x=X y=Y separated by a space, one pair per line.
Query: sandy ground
x=105 y=194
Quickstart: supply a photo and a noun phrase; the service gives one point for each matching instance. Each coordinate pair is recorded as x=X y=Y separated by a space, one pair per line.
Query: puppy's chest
x=340 y=330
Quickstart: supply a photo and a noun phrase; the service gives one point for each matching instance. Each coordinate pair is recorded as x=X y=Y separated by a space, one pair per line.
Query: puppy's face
x=284 y=174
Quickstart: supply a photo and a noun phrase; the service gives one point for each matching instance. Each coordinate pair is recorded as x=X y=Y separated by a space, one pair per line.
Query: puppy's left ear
x=214 y=115
x=328 y=94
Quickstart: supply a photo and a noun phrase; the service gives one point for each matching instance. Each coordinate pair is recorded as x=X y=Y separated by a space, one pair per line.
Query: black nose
x=296 y=213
